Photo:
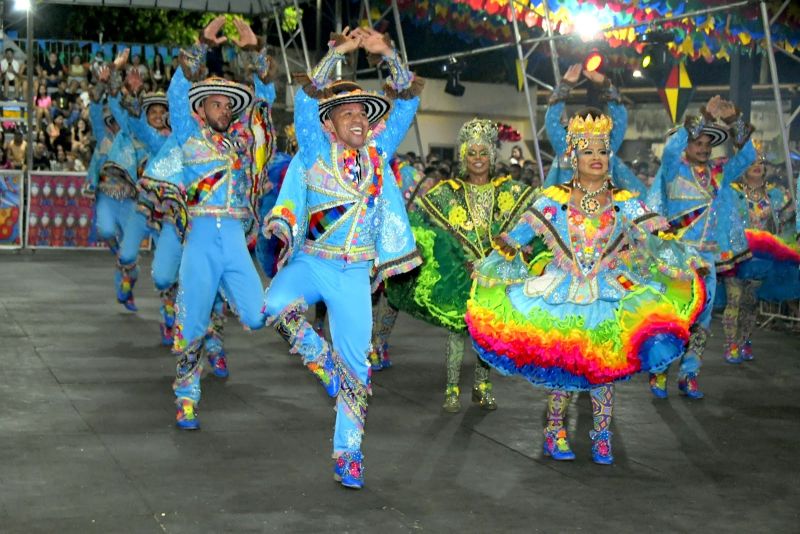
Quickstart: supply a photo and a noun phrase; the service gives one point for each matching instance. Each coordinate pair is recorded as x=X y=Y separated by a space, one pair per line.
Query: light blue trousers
x=345 y=290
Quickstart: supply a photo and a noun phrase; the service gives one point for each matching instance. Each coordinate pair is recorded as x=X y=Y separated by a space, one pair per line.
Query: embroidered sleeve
x=740 y=130
x=561 y=92
x=120 y=115
x=180 y=115
x=96 y=121
x=738 y=164
x=401 y=77
x=287 y=220
x=323 y=72
x=556 y=132
x=397 y=125
x=619 y=115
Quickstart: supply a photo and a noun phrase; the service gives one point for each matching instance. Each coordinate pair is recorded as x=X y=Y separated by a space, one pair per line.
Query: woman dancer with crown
x=618 y=296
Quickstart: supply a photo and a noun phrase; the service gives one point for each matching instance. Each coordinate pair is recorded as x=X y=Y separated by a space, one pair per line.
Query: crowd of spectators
x=63 y=137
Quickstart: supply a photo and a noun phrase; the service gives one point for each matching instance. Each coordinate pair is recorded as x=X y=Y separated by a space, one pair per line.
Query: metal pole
x=318 y=41
x=402 y=42
x=531 y=110
x=773 y=69
x=283 y=46
x=553 y=51
x=302 y=35
x=29 y=76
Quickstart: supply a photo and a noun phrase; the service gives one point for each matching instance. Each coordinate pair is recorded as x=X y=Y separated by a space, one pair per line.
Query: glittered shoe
x=219 y=365
x=482 y=394
x=601 y=447
x=658 y=385
x=556 y=445
x=747 y=351
x=375 y=361
x=129 y=304
x=348 y=469
x=325 y=371
x=687 y=385
x=186 y=418
x=166 y=335
x=732 y=354
x=452 y=402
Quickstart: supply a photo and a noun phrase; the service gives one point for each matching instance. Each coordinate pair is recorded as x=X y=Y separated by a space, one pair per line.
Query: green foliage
x=142 y=25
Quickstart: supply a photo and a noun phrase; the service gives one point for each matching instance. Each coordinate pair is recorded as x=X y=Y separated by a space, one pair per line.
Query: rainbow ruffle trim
x=647 y=331
x=766 y=245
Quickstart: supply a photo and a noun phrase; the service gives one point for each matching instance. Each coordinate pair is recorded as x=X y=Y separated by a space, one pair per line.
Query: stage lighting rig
x=453 y=69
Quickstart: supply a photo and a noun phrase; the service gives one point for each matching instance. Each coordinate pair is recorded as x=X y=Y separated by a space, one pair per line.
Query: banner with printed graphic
x=11 y=209
x=58 y=215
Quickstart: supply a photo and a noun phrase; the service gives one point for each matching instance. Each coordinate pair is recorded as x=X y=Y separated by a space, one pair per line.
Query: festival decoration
x=676 y=91
x=709 y=37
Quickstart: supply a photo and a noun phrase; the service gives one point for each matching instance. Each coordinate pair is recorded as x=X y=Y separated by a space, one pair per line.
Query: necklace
x=589 y=203
x=754 y=193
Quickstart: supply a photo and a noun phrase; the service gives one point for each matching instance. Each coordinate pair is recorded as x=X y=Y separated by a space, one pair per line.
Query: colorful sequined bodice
x=589 y=236
x=759 y=209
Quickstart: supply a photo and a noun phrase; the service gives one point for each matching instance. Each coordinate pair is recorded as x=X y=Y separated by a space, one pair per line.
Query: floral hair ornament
x=477 y=132
x=582 y=130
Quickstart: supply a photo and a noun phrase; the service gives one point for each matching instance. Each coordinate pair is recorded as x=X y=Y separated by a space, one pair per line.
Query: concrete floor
x=87 y=442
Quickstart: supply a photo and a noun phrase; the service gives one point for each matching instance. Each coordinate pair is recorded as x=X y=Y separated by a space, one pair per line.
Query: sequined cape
x=449 y=236
x=321 y=212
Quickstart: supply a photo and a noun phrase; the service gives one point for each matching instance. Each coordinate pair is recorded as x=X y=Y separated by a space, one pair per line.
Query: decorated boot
x=601 y=447
x=452 y=401
x=658 y=385
x=747 y=351
x=556 y=445
x=482 y=394
x=348 y=469
x=687 y=384
x=219 y=364
x=186 y=418
x=733 y=355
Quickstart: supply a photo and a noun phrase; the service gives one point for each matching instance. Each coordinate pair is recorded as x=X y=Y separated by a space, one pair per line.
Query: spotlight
x=646 y=61
x=453 y=70
x=638 y=74
x=594 y=61
x=22 y=5
x=587 y=25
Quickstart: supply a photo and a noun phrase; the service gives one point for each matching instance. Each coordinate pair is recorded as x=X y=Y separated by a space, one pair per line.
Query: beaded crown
x=581 y=130
x=761 y=154
x=477 y=132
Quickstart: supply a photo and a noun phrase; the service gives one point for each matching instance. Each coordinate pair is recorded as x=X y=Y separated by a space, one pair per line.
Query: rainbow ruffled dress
x=453 y=225
x=775 y=255
x=614 y=300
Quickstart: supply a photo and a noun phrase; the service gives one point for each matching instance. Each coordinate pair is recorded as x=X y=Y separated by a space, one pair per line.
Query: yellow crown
x=761 y=154
x=585 y=128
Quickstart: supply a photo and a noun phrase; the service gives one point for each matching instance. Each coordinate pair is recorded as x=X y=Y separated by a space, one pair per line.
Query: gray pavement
x=87 y=441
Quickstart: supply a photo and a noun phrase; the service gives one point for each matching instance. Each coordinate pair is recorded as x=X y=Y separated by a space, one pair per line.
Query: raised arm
x=740 y=133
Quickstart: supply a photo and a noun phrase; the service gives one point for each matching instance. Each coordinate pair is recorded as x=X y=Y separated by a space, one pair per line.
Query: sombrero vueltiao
x=151 y=99
x=718 y=134
x=241 y=96
x=346 y=92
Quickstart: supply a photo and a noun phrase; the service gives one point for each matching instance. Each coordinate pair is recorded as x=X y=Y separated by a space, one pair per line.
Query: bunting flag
x=676 y=91
x=709 y=37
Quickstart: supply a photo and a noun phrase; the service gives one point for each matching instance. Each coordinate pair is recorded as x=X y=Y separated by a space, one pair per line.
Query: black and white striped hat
x=718 y=134
x=346 y=92
x=151 y=99
x=241 y=96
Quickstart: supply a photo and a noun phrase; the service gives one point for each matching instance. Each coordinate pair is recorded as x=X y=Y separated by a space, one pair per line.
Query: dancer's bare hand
x=594 y=76
x=727 y=110
x=573 y=73
x=104 y=73
x=209 y=35
x=713 y=106
x=373 y=41
x=351 y=41
x=133 y=81
x=247 y=38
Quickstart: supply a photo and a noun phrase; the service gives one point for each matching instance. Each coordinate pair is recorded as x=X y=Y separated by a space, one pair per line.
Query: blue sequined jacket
x=323 y=211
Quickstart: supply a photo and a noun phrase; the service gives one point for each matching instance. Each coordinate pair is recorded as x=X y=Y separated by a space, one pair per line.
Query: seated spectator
x=136 y=63
x=52 y=71
x=58 y=134
x=515 y=171
x=77 y=70
x=72 y=114
x=83 y=94
x=61 y=99
x=516 y=155
x=81 y=135
x=74 y=163
x=41 y=159
x=174 y=65
x=60 y=162
x=43 y=102
x=158 y=73
x=13 y=76
x=16 y=149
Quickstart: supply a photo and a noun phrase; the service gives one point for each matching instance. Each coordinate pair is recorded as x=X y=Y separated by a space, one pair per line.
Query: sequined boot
x=732 y=354
x=658 y=385
x=348 y=469
x=452 y=402
x=482 y=394
x=687 y=384
x=601 y=447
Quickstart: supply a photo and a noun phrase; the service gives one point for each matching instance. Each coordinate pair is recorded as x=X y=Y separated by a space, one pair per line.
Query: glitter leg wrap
x=168 y=305
x=733 y=310
x=187 y=374
x=454 y=356
x=214 y=338
x=749 y=310
x=557 y=404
